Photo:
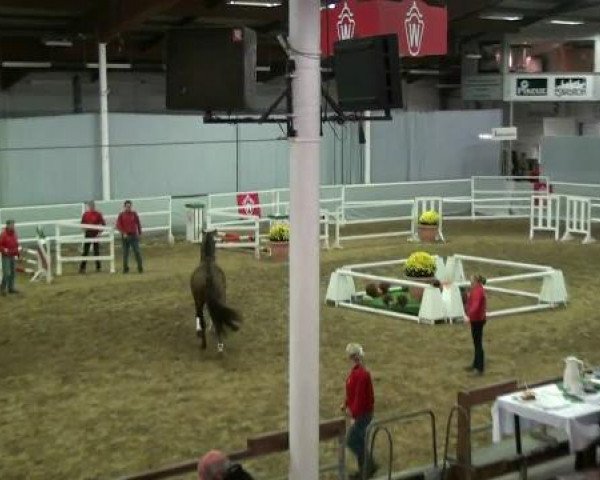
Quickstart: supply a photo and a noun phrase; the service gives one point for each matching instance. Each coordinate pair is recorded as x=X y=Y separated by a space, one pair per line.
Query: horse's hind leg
x=220 y=344
x=201 y=325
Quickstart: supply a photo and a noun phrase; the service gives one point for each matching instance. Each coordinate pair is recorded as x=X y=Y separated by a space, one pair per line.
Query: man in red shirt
x=476 y=317
x=128 y=223
x=359 y=405
x=91 y=217
x=9 y=249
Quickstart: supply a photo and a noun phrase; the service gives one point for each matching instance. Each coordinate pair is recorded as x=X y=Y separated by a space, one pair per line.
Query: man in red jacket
x=9 y=249
x=359 y=405
x=476 y=316
x=128 y=223
x=91 y=217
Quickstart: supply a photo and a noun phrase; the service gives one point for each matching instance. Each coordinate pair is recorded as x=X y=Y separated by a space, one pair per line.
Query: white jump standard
x=446 y=306
x=36 y=262
x=107 y=235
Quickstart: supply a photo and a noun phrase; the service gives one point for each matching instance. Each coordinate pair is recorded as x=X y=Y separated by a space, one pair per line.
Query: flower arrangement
x=420 y=265
x=280 y=232
x=430 y=217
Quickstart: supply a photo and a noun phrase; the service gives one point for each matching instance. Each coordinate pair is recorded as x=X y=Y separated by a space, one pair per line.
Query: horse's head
x=208 y=245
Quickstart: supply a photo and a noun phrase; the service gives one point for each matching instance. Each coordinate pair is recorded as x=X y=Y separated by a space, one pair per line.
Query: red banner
x=422 y=29
x=248 y=204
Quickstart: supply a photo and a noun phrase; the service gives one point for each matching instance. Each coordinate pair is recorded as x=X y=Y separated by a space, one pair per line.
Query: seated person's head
x=437 y=284
x=384 y=287
x=373 y=290
x=215 y=465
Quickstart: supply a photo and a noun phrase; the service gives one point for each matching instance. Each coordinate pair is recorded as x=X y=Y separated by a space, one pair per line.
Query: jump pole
x=304 y=40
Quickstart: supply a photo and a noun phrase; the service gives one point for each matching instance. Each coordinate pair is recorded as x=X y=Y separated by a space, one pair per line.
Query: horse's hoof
x=220 y=347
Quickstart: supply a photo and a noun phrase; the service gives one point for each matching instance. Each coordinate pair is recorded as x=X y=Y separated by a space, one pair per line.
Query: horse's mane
x=208 y=247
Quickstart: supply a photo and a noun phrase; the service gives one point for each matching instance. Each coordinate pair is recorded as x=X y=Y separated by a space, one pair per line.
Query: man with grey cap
x=359 y=404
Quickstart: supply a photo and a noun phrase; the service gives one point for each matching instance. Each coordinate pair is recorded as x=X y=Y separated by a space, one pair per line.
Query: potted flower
x=420 y=267
x=279 y=240
x=428 y=226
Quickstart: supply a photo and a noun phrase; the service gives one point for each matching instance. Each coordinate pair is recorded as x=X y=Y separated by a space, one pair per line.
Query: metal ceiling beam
x=43 y=4
x=10 y=77
x=461 y=9
x=113 y=17
x=565 y=7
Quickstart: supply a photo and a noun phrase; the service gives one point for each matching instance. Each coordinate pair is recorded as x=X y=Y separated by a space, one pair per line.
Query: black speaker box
x=211 y=69
x=367 y=73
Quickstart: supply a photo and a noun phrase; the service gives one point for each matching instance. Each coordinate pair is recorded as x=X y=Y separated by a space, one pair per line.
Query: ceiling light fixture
x=58 y=43
x=19 y=64
x=254 y=3
x=503 y=18
x=566 y=22
x=474 y=56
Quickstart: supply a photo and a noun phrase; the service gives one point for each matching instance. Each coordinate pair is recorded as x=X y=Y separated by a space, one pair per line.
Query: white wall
x=529 y=118
x=47 y=93
x=51 y=93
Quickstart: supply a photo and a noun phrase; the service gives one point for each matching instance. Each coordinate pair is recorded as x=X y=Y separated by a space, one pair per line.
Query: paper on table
x=551 y=402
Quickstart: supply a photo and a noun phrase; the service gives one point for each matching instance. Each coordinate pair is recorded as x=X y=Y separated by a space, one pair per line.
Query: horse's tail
x=221 y=315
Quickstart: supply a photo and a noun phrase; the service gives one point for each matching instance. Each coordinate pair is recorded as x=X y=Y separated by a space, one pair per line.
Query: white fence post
x=544 y=215
x=58 y=250
x=78 y=240
x=579 y=218
x=112 y=253
x=423 y=204
x=170 y=237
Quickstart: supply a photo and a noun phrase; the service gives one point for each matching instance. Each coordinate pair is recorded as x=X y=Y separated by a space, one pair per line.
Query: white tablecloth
x=579 y=419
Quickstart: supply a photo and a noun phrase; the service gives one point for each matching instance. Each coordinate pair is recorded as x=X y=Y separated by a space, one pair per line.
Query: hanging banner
x=422 y=29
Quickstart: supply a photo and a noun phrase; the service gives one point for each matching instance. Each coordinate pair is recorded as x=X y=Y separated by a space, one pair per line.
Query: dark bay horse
x=208 y=286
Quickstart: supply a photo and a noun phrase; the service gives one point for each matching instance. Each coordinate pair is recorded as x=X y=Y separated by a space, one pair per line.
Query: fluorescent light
x=473 y=56
x=486 y=136
x=567 y=22
x=111 y=66
x=58 y=43
x=9 y=64
x=331 y=6
x=504 y=18
x=254 y=3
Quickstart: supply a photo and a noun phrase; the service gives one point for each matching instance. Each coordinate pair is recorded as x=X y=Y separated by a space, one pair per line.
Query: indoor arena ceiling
x=63 y=34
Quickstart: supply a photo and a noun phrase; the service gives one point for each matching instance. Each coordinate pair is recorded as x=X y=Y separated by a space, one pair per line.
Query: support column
x=367 y=147
x=304 y=39
x=104 y=139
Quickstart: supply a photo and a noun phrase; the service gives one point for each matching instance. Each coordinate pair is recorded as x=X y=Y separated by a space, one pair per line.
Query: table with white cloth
x=579 y=418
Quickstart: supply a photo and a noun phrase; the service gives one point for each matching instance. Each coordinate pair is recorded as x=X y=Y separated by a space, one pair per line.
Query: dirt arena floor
x=101 y=375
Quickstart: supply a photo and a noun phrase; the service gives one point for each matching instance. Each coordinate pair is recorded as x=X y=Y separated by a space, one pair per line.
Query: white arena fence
x=62 y=237
x=155 y=215
x=252 y=228
x=393 y=204
x=29 y=219
x=503 y=197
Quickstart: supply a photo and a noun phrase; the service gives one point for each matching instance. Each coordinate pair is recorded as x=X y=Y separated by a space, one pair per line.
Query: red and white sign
x=248 y=204
x=422 y=29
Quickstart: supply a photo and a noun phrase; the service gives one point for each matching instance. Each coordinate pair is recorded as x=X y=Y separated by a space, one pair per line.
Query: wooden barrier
x=464 y=468
x=270 y=443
